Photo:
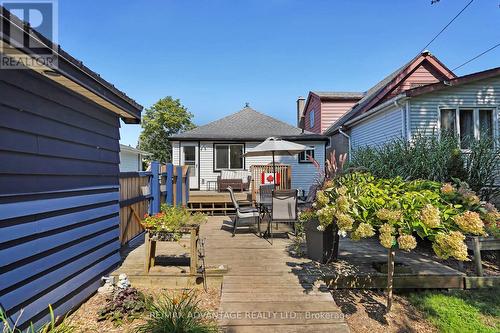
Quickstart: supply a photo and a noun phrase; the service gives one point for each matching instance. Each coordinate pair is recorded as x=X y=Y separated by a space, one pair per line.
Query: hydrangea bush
x=361 y=204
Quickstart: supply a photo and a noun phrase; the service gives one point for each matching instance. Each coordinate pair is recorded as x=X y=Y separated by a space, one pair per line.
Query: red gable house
x=323 y=109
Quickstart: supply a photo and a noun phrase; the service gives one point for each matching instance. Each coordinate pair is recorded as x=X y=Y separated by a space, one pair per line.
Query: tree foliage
x=163 y=119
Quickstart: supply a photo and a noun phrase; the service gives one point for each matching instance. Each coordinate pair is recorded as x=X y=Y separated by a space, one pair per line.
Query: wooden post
x=477 y=256
x=168 y=181
x=155 y=188
x=194 y=250
x=390 y=277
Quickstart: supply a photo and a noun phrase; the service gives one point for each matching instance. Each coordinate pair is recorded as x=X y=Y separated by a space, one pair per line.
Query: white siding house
x=378 y=129
x=244 y=130
x=303 y=174
x=131 y=159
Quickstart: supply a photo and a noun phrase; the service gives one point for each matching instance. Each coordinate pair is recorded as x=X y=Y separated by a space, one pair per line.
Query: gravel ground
x=85 y=317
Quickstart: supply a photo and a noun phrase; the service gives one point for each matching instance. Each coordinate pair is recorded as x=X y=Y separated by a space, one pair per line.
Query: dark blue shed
x=59 y=157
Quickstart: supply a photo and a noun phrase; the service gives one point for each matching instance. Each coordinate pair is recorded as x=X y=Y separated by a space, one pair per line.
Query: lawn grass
x=461 y=310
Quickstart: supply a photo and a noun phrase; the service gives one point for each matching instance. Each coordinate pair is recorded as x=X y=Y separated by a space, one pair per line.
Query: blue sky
x=216 y=55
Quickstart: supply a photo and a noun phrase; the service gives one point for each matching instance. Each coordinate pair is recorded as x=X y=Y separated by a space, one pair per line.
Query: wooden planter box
x=321 y=245
x=477 y=244
x=152 y=237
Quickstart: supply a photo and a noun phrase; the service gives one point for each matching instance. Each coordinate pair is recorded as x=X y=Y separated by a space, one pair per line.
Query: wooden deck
x=215 y=203
x=356 y=268
x=260 y=293
x=265 y=289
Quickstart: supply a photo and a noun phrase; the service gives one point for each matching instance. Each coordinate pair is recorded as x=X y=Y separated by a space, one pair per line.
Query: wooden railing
x=143 y=193
x=284 y=170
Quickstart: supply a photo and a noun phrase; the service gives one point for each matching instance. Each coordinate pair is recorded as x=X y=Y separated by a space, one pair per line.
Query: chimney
x=301 y=101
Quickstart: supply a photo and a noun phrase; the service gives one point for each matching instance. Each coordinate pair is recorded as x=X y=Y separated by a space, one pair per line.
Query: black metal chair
x=243 y=212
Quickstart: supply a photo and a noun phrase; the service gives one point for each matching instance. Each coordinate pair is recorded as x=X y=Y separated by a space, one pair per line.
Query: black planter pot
x=320 y=244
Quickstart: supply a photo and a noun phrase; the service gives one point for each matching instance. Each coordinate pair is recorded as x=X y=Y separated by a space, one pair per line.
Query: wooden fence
x=284 y=170
x=143 y=192
x=134 y=203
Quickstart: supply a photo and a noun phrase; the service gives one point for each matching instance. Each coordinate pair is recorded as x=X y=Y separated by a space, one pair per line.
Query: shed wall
x=58 y=196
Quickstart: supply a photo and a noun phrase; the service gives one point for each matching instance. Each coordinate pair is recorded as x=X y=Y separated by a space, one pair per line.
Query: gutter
x=348 y=142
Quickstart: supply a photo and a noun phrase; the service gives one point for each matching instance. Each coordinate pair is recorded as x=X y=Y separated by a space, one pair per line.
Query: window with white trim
x=228 y=157
x=468 y=123
x=311 y=119
x=304 y=156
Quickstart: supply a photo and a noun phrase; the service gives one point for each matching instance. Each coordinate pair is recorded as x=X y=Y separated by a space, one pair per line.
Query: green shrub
x=359 y=204
x=176 y=314
x=433 y=158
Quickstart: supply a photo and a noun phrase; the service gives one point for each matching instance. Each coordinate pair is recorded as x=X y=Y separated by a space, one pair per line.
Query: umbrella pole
x=274 y=172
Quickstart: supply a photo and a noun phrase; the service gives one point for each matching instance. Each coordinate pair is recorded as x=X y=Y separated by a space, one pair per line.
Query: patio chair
x=284 y=208
x=243 y=212
x=266 y=193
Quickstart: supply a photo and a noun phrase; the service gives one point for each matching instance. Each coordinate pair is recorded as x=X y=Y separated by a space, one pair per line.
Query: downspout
x=348 y=143
x=396 y=104
x=406 y=122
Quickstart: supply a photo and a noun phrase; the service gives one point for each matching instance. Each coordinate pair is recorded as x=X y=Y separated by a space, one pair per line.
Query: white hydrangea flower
x=342 y=233
x=320 y=228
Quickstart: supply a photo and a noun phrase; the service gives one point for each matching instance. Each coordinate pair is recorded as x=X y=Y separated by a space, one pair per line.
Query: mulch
x=365 y=312
x=85 y=317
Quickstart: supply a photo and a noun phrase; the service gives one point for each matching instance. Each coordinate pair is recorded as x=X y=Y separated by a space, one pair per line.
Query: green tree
x=163 y=119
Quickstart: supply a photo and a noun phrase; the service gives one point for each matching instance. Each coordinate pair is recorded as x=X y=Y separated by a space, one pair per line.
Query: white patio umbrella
x=275 y=147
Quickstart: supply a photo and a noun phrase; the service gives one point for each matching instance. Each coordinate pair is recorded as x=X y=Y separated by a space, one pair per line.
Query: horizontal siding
x=49 y=134
x=314 y=105
x=59 y=211
x=303 y=174
x=377 y=129
x=175 y=153
x=331 y=111
x=423 y=74
x=424 y=109
x=130 y=161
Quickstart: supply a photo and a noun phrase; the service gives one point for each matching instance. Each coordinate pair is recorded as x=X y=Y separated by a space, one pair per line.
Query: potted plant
x=319 y=240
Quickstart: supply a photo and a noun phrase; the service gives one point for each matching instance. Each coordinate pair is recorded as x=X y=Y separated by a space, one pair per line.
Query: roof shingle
x=246 y=124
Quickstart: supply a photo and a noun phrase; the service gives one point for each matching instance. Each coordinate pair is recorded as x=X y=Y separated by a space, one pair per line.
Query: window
x=311 y=119
x=228 y=156
x=467 y=123
x=303 y=156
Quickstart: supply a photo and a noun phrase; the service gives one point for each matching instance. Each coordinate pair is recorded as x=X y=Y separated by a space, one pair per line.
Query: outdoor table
x=265 y=208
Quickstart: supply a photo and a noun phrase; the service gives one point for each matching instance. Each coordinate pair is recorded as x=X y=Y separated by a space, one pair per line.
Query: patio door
x=189 y=157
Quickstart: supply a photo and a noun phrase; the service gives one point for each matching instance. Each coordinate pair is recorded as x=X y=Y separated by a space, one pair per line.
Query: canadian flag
x=268 y=178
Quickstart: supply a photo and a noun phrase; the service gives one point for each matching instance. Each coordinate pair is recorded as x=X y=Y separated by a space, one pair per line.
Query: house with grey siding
x=131 y=159
x=218 y=146
x=59 y=189
x=467 y=105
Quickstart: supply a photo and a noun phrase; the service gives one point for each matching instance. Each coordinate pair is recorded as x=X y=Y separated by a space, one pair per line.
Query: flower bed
x=171 y=223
